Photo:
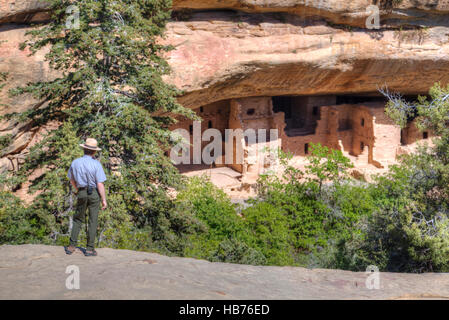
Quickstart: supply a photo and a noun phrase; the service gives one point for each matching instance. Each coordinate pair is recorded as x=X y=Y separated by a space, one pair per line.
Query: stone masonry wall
x=362 y=131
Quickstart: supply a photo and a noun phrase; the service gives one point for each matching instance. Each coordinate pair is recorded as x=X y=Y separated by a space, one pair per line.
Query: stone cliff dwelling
x=356 y=125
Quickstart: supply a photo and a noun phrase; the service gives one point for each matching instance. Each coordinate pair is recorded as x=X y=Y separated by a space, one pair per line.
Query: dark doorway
x=300 y=114
x=283 y=104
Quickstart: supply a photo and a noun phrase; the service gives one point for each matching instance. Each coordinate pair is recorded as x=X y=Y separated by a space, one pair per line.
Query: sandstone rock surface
x=38 y=272
x=23 y=10
x=338 y=11
x=219 y=56
x=276 y=47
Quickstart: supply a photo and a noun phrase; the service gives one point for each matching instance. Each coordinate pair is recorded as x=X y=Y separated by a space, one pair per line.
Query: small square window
x=306 y=148
x=362 y=122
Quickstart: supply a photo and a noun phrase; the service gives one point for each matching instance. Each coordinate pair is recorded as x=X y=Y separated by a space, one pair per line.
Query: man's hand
x=104 y=204
x=100 y=187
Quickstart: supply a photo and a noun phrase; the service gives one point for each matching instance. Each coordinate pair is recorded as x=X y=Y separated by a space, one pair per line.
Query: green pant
x=91 y=202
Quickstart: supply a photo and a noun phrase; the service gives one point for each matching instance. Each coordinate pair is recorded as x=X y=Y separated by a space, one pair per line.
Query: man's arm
x=73 y=182
x=101 y=177
x=100 y=187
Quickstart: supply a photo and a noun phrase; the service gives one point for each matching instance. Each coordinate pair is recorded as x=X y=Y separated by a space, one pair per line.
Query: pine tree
x=110 y=87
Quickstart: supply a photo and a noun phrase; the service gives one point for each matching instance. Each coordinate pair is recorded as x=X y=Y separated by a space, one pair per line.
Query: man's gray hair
x=89 y=152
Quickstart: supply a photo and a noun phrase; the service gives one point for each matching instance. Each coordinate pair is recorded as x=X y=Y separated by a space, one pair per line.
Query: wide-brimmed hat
x=90 y=144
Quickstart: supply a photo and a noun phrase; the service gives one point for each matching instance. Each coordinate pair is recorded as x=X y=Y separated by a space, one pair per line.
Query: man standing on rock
x=87 y=176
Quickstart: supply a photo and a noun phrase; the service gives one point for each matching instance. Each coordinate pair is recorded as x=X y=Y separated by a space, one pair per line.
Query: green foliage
x=260 y=235
x=298 y=203
x=269 y=232
x=212 y=206
x=235 y=251
x=5 y=141
x=223 y=232
x=313 y=210
x=327 y=165
x=409 y=230
x=413 y=218
x=19 y=225
x=110 y=88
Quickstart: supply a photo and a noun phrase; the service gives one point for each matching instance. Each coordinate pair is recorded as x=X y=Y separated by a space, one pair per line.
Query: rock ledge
x=38 y=272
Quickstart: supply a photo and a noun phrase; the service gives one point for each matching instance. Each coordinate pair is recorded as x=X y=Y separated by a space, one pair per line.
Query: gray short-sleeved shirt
x=86 y=171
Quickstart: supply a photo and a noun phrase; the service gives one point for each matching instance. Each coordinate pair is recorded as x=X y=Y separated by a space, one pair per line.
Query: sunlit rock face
x=224 y=54
x=23 y=11
x=227 y=49
x=353 y=13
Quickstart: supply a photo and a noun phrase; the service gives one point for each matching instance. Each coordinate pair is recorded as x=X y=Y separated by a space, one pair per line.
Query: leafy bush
x=269 y=231
x=234 y=251
x=19 y=225
x=223 y=236
x=315 y=209
x=412 y=218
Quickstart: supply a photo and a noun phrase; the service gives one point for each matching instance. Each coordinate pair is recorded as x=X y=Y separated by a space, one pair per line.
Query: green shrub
x=318 y=210
x=235 y=251
x=269 y=231
x=223 y=236
x=18 y=224
x=412 y=220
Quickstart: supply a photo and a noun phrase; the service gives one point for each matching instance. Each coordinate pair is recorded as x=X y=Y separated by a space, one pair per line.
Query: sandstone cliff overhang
x=224 y=54
x=230 y=49
x=353 y=13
